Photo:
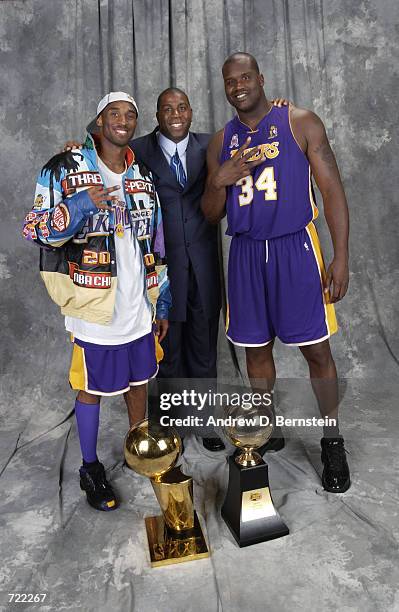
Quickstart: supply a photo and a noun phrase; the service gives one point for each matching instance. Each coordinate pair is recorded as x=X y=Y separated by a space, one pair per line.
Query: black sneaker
x=336 y=476
x=213 y=444
x=273 y=445
x=99 y=492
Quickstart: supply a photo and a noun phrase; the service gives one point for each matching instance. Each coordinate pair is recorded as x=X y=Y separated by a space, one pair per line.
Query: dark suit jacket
x=188 y=236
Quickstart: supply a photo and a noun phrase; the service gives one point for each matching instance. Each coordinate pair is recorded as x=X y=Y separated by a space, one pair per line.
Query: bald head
x=240 y=56
x=171 y=90
x=243 y=85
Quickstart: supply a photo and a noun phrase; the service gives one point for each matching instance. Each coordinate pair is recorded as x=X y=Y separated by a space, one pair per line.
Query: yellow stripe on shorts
x=159 y=352
x=78 y=372
x=331 y=320
x=227 y=318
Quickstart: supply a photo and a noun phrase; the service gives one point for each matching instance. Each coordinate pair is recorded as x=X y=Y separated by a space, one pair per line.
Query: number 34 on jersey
x=265 y=183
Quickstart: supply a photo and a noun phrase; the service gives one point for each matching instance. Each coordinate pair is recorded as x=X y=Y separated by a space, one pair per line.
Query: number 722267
x=26 y=597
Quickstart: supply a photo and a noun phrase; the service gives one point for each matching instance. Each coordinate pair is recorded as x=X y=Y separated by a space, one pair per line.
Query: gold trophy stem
x=176 y=502
x=248 y=458
x=176 y=536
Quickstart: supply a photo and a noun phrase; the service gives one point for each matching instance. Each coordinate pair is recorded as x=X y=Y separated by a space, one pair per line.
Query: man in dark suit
x=177 y=160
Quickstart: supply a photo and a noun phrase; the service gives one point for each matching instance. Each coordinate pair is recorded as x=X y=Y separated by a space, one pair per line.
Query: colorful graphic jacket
x=77 y=255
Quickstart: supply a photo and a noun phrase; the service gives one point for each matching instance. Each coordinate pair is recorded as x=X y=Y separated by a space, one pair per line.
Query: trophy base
x=248 y=509
x=167 y=547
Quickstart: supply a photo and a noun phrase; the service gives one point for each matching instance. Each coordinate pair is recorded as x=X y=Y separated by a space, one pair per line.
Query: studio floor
x=341 y=553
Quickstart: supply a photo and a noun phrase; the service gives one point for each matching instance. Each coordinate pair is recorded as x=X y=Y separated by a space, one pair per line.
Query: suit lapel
x=158 y=163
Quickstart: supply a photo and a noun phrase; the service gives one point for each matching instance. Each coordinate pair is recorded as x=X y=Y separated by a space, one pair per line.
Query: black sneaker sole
x=342 y=489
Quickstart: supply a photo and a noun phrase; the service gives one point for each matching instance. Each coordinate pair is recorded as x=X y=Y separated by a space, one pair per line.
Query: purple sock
x=87 y=419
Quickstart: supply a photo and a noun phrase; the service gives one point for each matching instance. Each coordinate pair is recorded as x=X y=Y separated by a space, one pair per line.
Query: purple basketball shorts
x=112 y=369
x=275 y=288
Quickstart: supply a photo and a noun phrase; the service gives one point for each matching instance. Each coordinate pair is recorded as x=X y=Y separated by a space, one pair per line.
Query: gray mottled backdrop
x=58 y=57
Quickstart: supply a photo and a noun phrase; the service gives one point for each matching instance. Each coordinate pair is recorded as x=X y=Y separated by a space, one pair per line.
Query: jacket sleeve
x=164 y=301
x=55 y=219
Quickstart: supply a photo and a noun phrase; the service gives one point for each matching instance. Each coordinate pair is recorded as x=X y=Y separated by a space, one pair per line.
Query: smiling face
x=243 y=84
x=118 y=122
x=174 y=115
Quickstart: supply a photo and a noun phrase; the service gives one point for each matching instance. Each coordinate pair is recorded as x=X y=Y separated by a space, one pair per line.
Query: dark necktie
x=178 y=170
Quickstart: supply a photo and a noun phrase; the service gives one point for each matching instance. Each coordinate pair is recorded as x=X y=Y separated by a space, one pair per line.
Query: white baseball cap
x=112 y=96
x=116 y=96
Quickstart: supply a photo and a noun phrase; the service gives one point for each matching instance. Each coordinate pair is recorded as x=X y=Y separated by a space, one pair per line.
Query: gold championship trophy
x=248 y=508
x=176 y=535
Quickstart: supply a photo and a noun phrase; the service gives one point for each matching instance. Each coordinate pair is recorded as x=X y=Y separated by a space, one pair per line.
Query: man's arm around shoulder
x=214 y=197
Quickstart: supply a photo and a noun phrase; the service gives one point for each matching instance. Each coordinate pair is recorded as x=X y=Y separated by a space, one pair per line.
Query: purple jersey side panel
x=276 y=198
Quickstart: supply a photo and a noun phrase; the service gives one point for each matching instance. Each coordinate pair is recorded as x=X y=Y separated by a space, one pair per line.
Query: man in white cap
x=98 y=222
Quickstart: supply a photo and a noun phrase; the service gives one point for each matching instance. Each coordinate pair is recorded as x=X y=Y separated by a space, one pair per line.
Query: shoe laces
x=98 y=477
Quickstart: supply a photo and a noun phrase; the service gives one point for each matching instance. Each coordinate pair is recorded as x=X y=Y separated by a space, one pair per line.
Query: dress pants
x=190 y=351
x=190 y=346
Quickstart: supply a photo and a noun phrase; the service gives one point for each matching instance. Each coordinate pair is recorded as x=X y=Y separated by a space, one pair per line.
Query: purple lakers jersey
x=277 y=197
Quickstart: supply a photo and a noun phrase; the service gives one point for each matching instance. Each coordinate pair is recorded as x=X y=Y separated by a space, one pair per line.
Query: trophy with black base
x=176 y=535
x=248 y=508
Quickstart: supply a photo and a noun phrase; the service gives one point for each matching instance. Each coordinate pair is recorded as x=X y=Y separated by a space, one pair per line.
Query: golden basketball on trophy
x=176 y=535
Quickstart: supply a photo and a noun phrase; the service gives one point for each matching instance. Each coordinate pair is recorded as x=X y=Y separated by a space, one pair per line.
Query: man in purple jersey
x=259 y=174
